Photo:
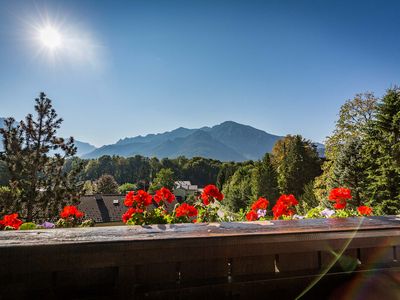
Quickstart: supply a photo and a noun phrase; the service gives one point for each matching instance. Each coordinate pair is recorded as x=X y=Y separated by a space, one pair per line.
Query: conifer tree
x=350 y=170
x=383 y=149
x=264 y=180
x=35 y=157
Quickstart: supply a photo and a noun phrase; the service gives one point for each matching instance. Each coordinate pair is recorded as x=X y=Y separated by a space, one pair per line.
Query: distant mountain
x=229 y=141
x=250 y=142
x=82 y=147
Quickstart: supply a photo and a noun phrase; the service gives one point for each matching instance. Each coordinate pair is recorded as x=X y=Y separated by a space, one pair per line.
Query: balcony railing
x=275 y=260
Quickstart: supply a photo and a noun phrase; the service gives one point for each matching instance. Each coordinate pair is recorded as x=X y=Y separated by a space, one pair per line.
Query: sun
x=50 y=37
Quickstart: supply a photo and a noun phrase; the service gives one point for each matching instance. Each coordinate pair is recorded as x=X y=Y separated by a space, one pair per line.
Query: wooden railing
x=274 y=260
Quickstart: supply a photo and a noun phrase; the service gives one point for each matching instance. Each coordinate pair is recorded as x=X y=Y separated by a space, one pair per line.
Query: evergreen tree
x=238 y=192
x=307 y=200
x=350 y=170
x=38 y=175
x=106 y=184
x=383 y=149
x=264 y=180
x=297 y=163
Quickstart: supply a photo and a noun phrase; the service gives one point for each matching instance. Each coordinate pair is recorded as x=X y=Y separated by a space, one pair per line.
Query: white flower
x=327 y=213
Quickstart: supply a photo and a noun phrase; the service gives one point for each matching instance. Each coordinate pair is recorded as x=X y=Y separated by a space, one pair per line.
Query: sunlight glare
x=50 y=37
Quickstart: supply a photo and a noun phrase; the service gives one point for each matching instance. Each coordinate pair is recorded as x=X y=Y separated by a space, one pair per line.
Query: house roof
x=103 y=208
x=108 y=208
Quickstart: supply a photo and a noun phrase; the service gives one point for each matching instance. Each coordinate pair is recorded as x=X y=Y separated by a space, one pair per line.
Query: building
x=184 y=189
x=103 y=208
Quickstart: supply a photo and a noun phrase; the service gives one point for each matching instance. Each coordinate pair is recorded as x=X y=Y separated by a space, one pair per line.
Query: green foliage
x=264 y=181
x=350 y=169
x=383 y=149
x=297 y=163
x=126 y=187
x=87 y=223
x=308 y=199
x=238 y=190
x=89 y=188
x=4 y=174
x=354 y=117
x=106 y=184
x=33 y=169
x=164 y=178
x=9 y=200
x=345 y=213
x=28 y=226
x=314 y=213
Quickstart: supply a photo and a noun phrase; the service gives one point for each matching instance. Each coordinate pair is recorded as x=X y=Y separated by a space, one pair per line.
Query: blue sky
x=136 y=67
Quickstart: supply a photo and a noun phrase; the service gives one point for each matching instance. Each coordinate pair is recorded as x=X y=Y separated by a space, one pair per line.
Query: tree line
x=39 y=169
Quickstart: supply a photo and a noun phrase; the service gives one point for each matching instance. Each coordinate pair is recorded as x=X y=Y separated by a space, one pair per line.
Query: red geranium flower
x=140 y=199
x=164 y=194
x=130 y=212
x=129 y=198
x=288 y=200
x=252 y=216
x=185 y=210
x=340 y=195
x=364 y=210
x=261 y=203
x=211 y=192
x=71 y=211
x=11 y=221
x=284 y=205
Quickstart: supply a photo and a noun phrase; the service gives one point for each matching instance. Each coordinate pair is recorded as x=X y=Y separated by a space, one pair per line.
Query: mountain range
x=228 y=141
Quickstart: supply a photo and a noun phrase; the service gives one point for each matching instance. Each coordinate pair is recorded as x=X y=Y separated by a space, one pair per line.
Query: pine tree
x=35 y=157
x=383 y=148
x=350 y=170
x=237 y=190
x=264 y=180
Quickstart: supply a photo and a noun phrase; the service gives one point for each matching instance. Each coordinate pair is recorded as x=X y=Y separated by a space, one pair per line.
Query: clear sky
x=125 y=68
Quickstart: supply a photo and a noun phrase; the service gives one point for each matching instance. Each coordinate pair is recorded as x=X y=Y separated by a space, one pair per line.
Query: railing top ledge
x=203 y=230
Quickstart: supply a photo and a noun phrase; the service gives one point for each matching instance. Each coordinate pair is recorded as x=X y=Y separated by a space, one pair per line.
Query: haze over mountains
x=228 y=141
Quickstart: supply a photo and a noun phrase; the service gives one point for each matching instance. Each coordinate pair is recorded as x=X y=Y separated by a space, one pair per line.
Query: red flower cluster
x=284 y=205
x=211 y=192
x=164 y=194
x=185 y=210
x=260 y=204
x=11 y=221
x=252 y=216
x=71 y=211
x=139 y=200
x=130 y=212
x=364 y=210
x=340 y=196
